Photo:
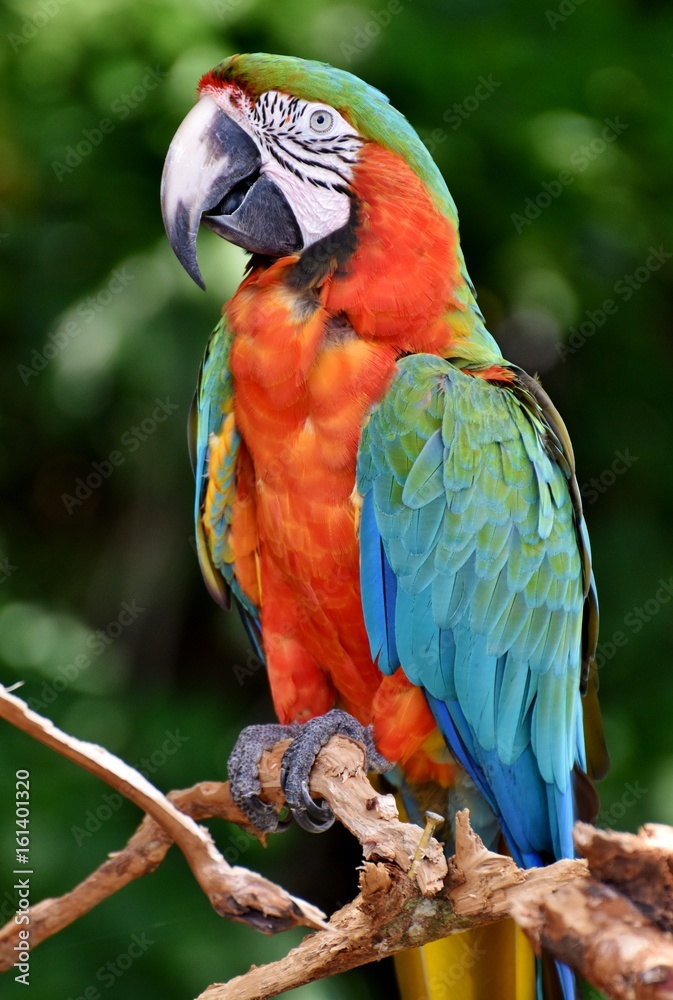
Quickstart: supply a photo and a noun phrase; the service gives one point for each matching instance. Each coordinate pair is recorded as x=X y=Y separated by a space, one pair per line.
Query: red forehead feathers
x=211 y=81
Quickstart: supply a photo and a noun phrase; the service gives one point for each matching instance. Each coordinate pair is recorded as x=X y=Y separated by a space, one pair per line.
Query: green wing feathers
x=469 y=483
x=216 y=449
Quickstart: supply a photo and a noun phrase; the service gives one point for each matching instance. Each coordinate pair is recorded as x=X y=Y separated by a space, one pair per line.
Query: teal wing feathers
x=211 y=426
x=476 y=579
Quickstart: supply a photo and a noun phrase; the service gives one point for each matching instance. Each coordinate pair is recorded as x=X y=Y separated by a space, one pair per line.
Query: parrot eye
x=321 y=121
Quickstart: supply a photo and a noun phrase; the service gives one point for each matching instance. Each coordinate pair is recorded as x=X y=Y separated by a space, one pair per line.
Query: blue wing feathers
x=477 y=528
x=516 y=693
x=379 y=591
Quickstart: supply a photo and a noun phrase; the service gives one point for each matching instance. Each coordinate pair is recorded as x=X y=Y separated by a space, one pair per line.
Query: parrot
x=391 y=505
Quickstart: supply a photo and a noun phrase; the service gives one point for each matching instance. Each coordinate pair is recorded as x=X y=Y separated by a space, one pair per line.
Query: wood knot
x=658 y=975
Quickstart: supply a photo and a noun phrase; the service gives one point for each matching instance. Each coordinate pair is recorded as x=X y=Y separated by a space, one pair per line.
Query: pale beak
x=214 y=174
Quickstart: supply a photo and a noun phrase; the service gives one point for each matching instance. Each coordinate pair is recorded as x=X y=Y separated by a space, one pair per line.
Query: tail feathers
x=485 y=963
x=555 y=980
x=494 y=962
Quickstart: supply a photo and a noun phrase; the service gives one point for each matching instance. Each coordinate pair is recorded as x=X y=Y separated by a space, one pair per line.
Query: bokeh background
x=554 y=128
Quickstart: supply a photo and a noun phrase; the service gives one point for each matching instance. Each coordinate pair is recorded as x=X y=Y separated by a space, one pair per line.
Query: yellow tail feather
x=486 y=963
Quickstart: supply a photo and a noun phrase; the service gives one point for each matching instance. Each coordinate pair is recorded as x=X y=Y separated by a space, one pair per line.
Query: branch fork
x=608 y=915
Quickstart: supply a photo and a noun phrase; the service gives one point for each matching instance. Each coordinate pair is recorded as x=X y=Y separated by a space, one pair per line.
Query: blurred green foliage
x=102 y=610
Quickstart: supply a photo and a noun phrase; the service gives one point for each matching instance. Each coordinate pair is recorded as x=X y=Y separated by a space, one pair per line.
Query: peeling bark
x=610 y=916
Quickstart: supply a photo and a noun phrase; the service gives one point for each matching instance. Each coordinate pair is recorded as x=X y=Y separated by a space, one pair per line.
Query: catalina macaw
x=391 y=503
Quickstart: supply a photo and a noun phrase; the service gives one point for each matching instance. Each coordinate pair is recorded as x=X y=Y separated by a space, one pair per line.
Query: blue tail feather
x=535 y=818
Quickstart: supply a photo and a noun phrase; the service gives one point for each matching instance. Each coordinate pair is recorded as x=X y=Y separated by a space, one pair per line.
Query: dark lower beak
x=213 y=174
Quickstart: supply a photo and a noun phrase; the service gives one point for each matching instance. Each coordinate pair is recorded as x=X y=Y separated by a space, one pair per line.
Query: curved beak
x=213 y=174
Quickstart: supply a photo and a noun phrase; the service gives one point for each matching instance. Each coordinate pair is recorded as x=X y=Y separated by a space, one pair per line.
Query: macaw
x=392 y=504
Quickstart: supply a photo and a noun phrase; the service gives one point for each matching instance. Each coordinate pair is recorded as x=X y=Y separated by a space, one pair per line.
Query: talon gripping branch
x=391 y=503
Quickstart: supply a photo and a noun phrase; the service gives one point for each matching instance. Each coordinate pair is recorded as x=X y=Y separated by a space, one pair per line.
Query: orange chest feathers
x=303 y=384
x=309 y=364
x=307 y=367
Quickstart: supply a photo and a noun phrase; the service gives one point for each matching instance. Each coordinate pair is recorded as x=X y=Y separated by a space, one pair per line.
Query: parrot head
x=268 y=156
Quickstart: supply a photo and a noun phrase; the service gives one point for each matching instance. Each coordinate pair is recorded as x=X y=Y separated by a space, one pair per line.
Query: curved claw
x=261 y=814
x=314 y=818
x=299 y=759
x=309 y=815
x=243 y=770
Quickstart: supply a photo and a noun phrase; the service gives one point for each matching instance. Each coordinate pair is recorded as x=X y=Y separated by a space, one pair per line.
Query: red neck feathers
x=402 y=278
x=316 y=340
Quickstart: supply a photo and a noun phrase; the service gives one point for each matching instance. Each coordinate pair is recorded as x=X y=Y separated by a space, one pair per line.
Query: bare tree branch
x=640 y=867
x=233 y=892
x=603 y=936
x=561 y=908
x=391 y=914
x=609 y=917
x=339 y=777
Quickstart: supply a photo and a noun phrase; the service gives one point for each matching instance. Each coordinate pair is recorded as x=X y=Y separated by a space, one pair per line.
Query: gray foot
x=243 y=771
x=300 y=757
